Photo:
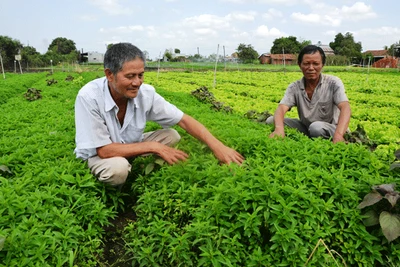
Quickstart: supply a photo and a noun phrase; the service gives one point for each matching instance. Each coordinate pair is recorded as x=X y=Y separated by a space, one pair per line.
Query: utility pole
x=2 y=67
x=284 y=63
x=215 y=70
x=224 y=58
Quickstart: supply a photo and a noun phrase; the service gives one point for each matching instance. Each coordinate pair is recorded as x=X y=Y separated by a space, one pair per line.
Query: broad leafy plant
x=396 y=163
x=33 y=94
x=384 y=210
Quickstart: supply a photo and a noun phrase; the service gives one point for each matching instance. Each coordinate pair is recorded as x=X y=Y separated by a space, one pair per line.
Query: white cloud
x=264 y=31
x=249 y=16
x=205 y=32
x=330 y=33
x=206 y=21
x=331 y=20
x=381 y=31
x=151 y=31
x=111 y=7
x=272 y=13
x=276 y=33
x=332 y=16
x=358 y=11
x=241 y=35
x=123 y=29
x=277 y=2
x=168 y=36
x=308 y=18
x=377 y=37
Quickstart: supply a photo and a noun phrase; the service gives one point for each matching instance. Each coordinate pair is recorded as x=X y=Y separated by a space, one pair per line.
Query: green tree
x=62 y=46
x=344 y=45
x=168 y=55
x=195 y=57
x=62 y=49
x=177 y=51
x=304 y=43
x=394 y=49
x=246 y=53
x=30 y=57
x=8 y=49
x=288 y=45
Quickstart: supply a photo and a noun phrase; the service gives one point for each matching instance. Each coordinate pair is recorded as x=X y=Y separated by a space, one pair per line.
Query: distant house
x=278 y=59
x=327 y=49
x=376 y=55
x=179 y=57
x=95 y=57
x=265 y=58
x=230 y=59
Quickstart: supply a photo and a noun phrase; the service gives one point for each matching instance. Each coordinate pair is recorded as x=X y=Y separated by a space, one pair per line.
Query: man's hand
x=171 y=155
x=227 y=155
x=338 y=138
x=279 y=131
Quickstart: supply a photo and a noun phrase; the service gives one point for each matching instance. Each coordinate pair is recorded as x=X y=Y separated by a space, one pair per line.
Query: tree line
x=61 y=49
x=345 y=48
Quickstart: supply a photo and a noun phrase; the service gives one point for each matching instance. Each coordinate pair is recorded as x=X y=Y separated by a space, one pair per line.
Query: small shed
x=265 y=58
x=95 y=57
x=327 y=50
x=280 y=59
x=376 y=56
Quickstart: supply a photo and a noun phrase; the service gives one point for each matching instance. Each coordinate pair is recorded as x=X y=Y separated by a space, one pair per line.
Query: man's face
x=311 y=66
x=127 y=82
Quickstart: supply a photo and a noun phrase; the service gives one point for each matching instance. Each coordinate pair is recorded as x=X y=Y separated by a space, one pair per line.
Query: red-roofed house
x=278 y=59
x=376 y=54
x=265 y=58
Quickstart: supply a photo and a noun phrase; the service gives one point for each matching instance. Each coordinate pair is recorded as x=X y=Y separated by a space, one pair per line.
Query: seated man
x=111 y=114
x=322 y=105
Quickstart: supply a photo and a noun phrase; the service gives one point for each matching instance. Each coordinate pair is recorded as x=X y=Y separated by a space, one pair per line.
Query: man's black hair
x=311 y=49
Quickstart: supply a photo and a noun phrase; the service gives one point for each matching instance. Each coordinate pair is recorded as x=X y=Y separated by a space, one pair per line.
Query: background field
x=272 y=211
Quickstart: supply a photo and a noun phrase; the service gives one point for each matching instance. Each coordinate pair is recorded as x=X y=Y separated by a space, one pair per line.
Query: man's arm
x=169 y=154
x=343 y=122
x=223 y=153
x=278 y=121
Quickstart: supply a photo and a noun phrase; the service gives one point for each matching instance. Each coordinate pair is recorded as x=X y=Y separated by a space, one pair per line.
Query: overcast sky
x=191 y=25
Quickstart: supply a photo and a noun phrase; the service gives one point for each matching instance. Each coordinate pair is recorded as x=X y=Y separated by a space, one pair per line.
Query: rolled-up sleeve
x=163 y=112
x=289 y=99
x=339 y=94
x=91 y=131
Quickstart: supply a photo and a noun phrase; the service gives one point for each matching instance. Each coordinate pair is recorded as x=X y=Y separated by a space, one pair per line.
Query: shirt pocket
x=325 y=110
x=133 y=134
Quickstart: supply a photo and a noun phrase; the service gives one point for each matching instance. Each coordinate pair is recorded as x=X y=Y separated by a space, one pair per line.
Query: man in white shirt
x=111 y=114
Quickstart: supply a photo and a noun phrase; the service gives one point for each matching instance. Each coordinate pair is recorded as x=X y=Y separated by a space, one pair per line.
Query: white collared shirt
x=97 y=123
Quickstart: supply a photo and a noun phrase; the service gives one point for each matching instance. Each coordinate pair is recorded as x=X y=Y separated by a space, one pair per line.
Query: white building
x=95 y=57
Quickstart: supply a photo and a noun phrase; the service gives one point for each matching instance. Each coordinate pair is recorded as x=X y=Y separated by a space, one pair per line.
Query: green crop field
x=292 y=203
x=374 y=97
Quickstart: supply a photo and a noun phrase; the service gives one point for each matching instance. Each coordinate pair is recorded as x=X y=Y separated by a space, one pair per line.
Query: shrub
x=385 y=210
